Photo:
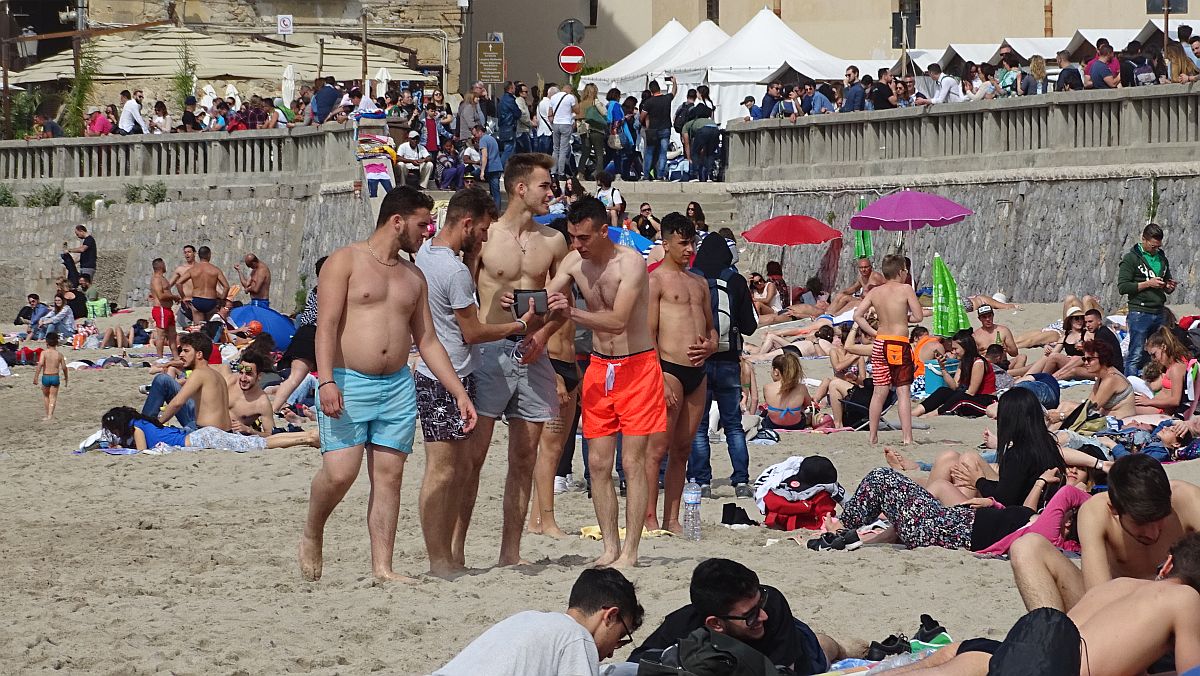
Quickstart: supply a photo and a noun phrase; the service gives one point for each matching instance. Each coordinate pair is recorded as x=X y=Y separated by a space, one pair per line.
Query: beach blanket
x=1064 y=384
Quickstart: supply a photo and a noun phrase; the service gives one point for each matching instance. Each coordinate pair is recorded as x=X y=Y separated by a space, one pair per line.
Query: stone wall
x=1036 y=234
x=289 y=234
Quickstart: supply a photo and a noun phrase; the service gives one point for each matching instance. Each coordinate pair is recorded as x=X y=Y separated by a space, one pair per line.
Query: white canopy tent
x=919 y=58
x=1047 y=48
x=703 y=39
x=958 y=53
x=733 y=70
x=631 y=68
x=1083 y=44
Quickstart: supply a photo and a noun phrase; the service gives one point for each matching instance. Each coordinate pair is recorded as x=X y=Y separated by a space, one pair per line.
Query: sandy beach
x=186 y=563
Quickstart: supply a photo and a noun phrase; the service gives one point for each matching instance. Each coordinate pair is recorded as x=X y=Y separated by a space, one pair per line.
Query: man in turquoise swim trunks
x=374 y=308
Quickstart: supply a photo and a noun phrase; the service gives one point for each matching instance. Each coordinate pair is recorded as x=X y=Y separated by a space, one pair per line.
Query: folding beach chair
x=856 y=407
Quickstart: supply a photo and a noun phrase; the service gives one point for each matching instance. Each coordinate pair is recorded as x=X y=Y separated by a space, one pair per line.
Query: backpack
x=1044 y=641
x=681 y=117
x=1143 y=73
x=708 y=653
x=728 y=336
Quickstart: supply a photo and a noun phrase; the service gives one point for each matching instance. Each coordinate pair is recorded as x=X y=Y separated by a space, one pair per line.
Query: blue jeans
x=507 y=148
x=725 y=386
x=303 y=394
x=162 y=390
x=493 y=179
x=374 y=184
x=704 y=152
x=658 y=142
x=1141 y=325
x=543 y=144
x=524 y=143
x=61 y=327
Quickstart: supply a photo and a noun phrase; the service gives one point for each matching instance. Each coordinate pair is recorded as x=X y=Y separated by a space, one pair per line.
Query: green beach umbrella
x=949 y=317
x=863 y=246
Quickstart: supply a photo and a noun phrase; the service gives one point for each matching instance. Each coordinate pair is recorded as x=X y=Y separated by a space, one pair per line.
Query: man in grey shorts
x=452 y=468
x=514 y=377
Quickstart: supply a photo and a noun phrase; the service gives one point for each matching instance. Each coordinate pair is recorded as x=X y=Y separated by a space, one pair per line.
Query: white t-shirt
x=564 y=110
x=544 y=121
x=131 y=112
x=407 y=152
x=471 y=156
x=530 y=643
x=610 y=197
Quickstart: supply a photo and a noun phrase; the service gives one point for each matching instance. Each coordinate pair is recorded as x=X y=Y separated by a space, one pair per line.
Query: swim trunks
x=623 y=394
x=204 y=306
x=891 y=361
x=377 y=409
x=261 y=302
x=512 y=389
x=163 y=317
x=688 y=376
x=50 y=381
x=568 y=371
x=440 y=418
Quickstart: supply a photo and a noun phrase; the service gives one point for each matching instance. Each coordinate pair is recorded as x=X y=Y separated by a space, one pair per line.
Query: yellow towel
x=593 y=533
x=233 y=292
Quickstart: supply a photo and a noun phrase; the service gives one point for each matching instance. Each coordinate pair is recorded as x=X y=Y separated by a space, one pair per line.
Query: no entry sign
x=570 y=59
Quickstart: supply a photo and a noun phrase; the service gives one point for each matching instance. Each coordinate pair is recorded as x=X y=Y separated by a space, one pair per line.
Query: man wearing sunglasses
x=728 y=598
x=249 y=407
x=602 y=614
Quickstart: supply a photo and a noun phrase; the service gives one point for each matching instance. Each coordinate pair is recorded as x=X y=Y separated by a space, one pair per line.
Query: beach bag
x=1044 y=641
x=708 y=653
x=1086 y=419
x=97 y=308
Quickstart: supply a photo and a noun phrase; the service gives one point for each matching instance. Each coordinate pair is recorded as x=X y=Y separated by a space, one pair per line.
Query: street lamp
x=27 y=49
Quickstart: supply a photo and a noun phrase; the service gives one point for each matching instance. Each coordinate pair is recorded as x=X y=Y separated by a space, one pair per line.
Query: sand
x=186 y=563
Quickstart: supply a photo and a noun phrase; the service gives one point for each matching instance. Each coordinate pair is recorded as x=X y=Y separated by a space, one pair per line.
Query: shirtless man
x=895 y=303
x=204 y=386
x=989 y=332
x=209 y=285
x=374 y=308
x=623 y=387
x=250 y=407
x=514 y=375
x=1161 y=612
x=258 y=283
x=867 y=279
x=161 y=312
x=1126 y=532
x=185 y=289
x=681 y=324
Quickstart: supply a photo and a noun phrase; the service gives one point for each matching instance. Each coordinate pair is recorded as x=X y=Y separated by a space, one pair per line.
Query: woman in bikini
x=1175 y=360
x=1112 y=395
x=816 y=344
x=1054 y=332
x=788 y=403
x=847 y=359
x=1064 y=353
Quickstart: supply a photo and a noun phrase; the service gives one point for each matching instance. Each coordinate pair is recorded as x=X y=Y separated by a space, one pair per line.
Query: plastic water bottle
x=691 y=511
x=897 y=661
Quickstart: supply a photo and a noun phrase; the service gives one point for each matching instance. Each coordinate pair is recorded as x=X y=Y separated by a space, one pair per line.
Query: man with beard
x=250 y=407
x=454 y=459
x=373 y=310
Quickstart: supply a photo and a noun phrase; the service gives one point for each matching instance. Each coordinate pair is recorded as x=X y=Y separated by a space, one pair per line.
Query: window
x=593 y=12
x=713 y=10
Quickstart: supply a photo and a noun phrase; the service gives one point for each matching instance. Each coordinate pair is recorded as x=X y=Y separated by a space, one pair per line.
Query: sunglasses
x=751 y=618
x=646 y=210
x=1088 y=360
x=628 y=637
x=247 y=369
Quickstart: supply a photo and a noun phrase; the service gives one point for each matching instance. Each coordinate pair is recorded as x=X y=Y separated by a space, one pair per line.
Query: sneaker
x=743 y=491
x=892 y=645
x=560 y=485
x=850 y=539
x=931 y=635
x=144 y=389
x=706 y=491
x=826 y=542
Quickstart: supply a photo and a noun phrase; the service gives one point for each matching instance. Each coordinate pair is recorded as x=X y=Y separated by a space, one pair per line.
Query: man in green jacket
x=1145 y=277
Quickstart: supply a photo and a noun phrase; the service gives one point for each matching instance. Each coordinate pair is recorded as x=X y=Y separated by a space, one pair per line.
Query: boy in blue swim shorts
x=379 y=409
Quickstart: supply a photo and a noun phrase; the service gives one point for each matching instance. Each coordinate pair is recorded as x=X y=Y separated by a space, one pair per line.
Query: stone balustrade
x=287 y=161
x=1067 y=129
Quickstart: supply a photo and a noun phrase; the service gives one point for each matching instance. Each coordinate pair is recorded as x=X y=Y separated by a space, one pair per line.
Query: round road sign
x=570 y=32
x=570 y=59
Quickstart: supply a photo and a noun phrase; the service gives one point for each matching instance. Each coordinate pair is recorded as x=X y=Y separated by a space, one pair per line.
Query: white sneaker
x=560 y=485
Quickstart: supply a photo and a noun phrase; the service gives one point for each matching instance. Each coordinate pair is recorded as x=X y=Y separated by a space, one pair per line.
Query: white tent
x=703 y=39
x=1027 y=47
x=920 y=59
x=958 y=53
x=734 y=69
x=629 y=68
x=1083 y=43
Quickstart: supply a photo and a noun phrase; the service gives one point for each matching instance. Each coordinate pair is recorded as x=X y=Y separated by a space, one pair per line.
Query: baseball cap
x=93 y=109
x=984 y=310
x=414 y=134
x=748 y=99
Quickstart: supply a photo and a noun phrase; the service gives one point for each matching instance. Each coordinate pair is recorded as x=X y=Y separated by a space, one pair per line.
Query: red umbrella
x=790 y=231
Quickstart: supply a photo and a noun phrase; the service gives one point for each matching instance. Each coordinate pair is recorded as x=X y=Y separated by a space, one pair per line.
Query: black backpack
x=1044 y=641
x=681 y=116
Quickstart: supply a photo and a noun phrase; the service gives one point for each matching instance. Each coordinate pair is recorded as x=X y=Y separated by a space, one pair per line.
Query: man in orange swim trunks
x=896 y=305
x=623 y=388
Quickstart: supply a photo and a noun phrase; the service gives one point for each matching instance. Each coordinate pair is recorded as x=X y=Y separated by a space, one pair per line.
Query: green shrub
x=45 y=196
x=87 y=201
x=133 y=193
x=155 y=192
x=7 y=199
x=301 y=294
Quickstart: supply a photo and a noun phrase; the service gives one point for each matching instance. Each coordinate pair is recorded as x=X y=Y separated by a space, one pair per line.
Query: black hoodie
x=713 y=257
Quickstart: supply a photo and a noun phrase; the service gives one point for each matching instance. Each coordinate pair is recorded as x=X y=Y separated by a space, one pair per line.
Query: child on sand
x=51 y=371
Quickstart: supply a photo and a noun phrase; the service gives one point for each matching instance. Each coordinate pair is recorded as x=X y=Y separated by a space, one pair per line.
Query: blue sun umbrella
x=630 y=238
x=280 y=327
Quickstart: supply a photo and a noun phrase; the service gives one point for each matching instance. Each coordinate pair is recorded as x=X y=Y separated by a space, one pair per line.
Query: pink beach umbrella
x=909 y=210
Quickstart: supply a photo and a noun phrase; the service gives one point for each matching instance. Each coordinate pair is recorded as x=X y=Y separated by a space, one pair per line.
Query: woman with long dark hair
x=967 y=393
x=131 y=429
x=696 y=213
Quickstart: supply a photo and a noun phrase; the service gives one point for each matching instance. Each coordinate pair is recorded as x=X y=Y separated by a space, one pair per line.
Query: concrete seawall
x=1037 y=234
x=288 y=233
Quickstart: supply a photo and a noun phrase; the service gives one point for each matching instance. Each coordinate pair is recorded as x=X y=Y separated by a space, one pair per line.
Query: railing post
x=60 y=167
x=289 y=154
x=1062 y=132
x=1133 y=131
x=219 y=161
x=870 y=140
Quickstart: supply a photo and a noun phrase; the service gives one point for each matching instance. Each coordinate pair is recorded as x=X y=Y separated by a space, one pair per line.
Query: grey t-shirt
x=450 y=288
x=528 y=643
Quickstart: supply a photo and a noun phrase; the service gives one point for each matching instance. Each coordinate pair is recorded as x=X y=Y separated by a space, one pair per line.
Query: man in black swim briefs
x=209 y=285
x=682 y=326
